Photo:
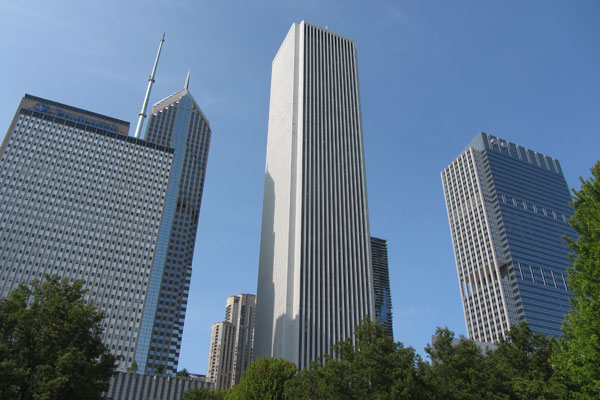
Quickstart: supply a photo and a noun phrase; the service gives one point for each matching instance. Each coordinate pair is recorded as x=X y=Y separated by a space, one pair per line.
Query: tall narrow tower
x=315 y=279
x=241 y=312
x=508 y=209
x=176 y=122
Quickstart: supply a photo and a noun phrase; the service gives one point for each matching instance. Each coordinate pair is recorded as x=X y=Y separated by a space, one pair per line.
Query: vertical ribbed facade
x=508 y=209
x=381 y=284
x=132 y=386
x=176 y=122
x=315 y=279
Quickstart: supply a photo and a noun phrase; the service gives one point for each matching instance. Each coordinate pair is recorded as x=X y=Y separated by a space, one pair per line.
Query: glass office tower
x=176 y=122
x=315 y=279
x=82 y=200
x=508 y=209
x=381 y=284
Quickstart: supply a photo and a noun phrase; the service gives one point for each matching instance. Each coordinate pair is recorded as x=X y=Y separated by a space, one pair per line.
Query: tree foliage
x=264 y=379
x=578 y=356
x=521 y=366
x=458 y=369
x=518 y=368
x=203 y=394
x=374 y=368
x=133 y=367
x=50 y=344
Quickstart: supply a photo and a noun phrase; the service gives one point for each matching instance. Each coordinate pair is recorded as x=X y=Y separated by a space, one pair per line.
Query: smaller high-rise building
x=231 y=342
x=220 y=354
x=381 y=284
x=508 y=211
x=241 y=312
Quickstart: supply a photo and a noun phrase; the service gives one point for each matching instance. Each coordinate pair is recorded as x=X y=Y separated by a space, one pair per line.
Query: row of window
x=501 y=145
x=533 y=207
x=543 y=276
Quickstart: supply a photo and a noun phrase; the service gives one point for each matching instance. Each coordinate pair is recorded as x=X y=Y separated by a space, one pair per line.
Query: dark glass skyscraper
x=381 y=284
x=508 y=209
x=176 y=122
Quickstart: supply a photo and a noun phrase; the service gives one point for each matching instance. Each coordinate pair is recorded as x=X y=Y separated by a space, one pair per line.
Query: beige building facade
x=232 y=342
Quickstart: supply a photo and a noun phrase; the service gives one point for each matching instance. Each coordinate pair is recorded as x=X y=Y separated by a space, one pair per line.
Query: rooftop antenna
x=187 y=80
x=138 y=129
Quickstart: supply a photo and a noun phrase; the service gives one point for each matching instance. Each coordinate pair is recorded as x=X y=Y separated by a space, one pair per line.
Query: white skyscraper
x=315 y=280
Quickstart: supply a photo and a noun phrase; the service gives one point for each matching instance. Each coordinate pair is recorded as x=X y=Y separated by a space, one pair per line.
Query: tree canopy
x=50 y=344
x=203 y=394
x=521 y=366
x=264 y=379
x=578 y=356
x=458 y=369
x=375 y=368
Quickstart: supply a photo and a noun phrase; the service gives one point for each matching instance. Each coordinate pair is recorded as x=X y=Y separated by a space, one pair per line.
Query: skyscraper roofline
x=304 y=22
x=75 y=109
x=172 y=98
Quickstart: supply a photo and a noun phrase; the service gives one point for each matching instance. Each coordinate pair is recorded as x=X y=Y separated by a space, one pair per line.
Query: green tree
x=133 y=367
x=50 y=344
x=183 y=373
x=203 y=394
x=578 y=356
x=375 y=368
x=159 y=370
x=521 y=366
x=264 y=379
x=458 y=370
x=331 y=380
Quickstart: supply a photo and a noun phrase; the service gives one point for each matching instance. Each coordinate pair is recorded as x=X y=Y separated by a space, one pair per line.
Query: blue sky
x=432 y=75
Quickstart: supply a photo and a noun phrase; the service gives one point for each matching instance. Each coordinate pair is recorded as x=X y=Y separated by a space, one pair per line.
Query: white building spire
x=187 y=80
x=138 y=129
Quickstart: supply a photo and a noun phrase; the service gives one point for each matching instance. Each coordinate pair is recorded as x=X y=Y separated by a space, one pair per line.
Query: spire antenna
x=138 y=129
x=187 y=80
